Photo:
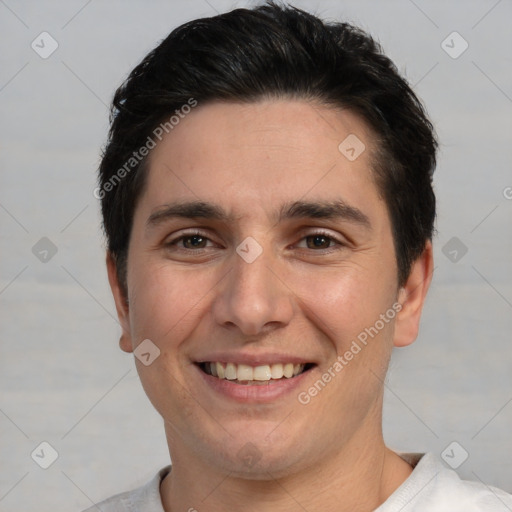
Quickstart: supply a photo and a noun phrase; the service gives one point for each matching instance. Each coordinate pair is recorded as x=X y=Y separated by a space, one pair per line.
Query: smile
x=253 y=375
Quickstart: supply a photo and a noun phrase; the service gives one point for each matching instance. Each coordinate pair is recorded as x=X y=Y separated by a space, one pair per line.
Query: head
x=297 y=164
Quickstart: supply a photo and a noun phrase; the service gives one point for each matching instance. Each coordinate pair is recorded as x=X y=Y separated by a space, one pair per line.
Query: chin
x=257 y=458
x=268 y=467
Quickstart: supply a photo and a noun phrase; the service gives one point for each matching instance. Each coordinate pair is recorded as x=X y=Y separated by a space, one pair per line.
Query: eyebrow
x=189 y=210
x=328 y=210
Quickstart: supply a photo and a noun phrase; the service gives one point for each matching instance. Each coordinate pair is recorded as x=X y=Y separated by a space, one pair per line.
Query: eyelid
x=184 y=234
x=341 y=241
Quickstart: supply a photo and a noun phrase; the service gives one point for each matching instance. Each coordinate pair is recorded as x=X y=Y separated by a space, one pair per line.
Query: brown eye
x=194 y=242
x=318 y=242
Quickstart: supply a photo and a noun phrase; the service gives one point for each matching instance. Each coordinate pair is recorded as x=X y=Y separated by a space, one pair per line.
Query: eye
x=194 y=242
x=319 y=241
x=190 y=241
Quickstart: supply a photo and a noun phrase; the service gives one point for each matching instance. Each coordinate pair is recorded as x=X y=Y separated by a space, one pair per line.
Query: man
x=267 y=199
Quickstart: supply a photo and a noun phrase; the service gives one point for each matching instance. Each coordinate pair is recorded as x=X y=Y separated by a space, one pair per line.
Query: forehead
x=261 y=155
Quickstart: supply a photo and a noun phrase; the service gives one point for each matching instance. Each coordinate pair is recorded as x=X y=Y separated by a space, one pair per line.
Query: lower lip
x=253 y=393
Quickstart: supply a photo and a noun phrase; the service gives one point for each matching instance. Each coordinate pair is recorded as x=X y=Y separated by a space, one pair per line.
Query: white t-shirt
x=431 y=487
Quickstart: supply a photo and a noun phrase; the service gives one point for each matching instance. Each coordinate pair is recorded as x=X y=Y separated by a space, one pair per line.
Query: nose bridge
x=252 y=298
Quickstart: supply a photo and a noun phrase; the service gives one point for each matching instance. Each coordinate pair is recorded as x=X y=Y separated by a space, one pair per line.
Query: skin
x=296 y=298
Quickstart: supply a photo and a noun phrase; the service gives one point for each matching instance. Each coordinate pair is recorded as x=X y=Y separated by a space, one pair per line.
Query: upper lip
x=253 y=359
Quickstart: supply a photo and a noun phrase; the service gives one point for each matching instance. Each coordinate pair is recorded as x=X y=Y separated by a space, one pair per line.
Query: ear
x=412 y=297
x=122 y=307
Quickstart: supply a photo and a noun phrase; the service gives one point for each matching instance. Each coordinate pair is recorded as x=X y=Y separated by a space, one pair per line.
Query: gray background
x=64 y=379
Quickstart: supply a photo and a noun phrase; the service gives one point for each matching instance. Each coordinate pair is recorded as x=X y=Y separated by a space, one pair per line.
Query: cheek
x=165 y=306
x=347 y=309
x=345 y=301
x=346 y=306
x=165 y=301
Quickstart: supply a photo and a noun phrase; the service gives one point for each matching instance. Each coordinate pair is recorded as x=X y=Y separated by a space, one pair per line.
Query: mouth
x=261 y=375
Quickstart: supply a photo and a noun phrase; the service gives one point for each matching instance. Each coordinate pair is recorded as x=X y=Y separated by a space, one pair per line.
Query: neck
x=358 y=477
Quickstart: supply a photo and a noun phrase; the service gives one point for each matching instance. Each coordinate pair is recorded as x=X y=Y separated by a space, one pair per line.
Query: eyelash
x=184 y=236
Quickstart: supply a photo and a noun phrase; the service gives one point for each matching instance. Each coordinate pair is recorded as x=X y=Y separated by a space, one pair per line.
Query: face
x=258 y=247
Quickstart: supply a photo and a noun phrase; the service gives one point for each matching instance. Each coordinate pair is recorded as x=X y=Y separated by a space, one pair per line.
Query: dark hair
x=274 y=51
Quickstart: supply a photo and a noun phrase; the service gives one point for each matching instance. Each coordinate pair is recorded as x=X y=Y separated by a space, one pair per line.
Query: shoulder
x=142 y=499
x=432 y=486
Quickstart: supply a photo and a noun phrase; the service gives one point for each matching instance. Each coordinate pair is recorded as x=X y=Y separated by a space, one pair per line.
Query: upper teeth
x=264 y=372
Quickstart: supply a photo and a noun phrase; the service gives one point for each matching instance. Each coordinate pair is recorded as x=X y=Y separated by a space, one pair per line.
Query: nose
x=253 y=297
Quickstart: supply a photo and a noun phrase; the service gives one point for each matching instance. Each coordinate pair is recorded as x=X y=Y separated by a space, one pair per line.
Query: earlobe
x=412 y=297
x=122 y=308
